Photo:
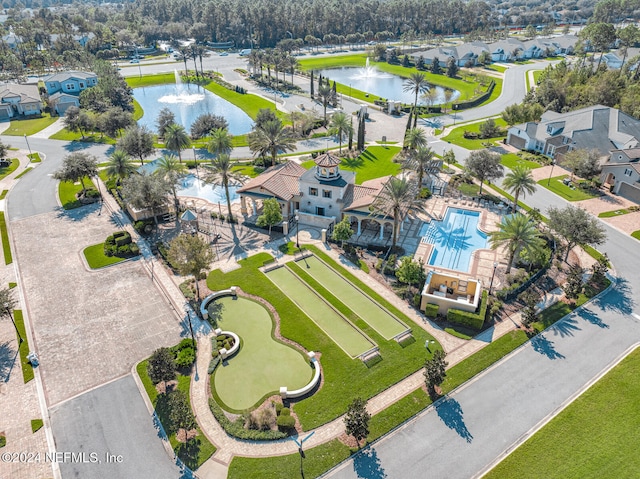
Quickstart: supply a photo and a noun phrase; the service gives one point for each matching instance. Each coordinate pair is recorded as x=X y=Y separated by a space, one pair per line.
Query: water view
x=195 y=187
x=187 y=102
x=385 y=85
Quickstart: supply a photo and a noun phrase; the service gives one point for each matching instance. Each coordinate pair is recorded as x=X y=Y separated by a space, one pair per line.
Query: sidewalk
x=20 y=402
x=52 y=129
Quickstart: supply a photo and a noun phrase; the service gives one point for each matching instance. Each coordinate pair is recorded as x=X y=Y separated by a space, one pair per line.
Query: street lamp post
x=495 y=266
x=195 y=160
x=29 y=147
x=7 y=308
x=297 y=231
x=553 y=163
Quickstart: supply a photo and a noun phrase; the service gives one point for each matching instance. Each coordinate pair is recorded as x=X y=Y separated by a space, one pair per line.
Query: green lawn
x=374 y=162
x=511 y=160
x=204 y=449
x=34 y=157
x=97 y=259
x=67 y=192
x=67 y=135
x=328 y=455
x=536 y=75
x=27 y=369
x=7 y=170
x=344 y=378
x=29 y=126
x=138 y=112
x=595 y=436
x=4 y=235
x=496 y=68
x=248 y=103
x=264 y=364
x=343 y=333
x=26 y=170
x=570 y=194
x=379 y=319
x=456 y=136
x=636 y=234
x=611 y=214
x=248 y=170
x=151 y=80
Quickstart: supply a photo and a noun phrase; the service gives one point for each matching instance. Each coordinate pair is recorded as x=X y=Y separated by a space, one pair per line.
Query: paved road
x=487 y=417
x=89 y=424
x=36 y=192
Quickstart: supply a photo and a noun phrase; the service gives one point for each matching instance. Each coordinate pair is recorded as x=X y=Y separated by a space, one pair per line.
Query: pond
x=379 y=84
x=187 y=102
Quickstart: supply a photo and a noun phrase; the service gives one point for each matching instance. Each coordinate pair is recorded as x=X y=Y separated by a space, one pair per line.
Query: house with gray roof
x=621 y=173
x=17 y=100
x=64 y=88
x=596 y=127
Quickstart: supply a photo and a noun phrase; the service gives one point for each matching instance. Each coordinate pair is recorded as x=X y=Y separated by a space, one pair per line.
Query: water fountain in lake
x=369 y=72
x=187 y=101
x=182 y=95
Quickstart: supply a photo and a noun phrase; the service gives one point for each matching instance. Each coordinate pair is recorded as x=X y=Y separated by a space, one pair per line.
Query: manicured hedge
x=470 y=320
x=431 y=310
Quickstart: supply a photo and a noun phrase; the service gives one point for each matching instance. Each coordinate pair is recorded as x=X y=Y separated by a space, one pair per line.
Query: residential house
x=615 y=58
x=622 y=173
x=595 y=127
x=81 y=38
x=506 y=50
x=464 y=55
x=18 y=100
x=64 y=88
x=11 y=39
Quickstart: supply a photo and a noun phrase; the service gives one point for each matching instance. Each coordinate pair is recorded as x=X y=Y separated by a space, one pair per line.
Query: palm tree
x=519 y=181
x=397 y=197
x=414 y=139
x=171 y=170
x=177 y=139
x=120 y=166
x=221 y=142
x=416 y=84
x=271 y=138
x=340 y=126
x=422 y=161
x=517 y=232
x=325 y=93
x=220 y=172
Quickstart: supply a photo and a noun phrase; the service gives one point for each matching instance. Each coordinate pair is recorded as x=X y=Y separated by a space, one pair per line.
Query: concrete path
x=52 y=129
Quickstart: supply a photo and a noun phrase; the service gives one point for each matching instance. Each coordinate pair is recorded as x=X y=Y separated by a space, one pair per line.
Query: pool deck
x=482 y=259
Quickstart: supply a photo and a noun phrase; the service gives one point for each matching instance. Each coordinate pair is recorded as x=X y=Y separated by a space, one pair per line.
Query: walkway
x=52 y=129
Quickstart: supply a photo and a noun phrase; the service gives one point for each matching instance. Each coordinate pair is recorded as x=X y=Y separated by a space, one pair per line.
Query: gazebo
x=189 y=222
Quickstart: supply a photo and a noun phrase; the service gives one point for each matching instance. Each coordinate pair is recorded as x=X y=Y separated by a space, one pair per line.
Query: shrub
x=285 y=411
x=236 y=429
x=425 y=193
x=471 y=320
x=185 y=358
x=279 y=407
x=213 y=364
x=3 y=441
x=431 y=310
x=143 y=227
x=285 y=423
x=184 y=344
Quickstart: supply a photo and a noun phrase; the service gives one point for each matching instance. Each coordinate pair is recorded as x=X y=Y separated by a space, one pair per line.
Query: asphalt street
x=488 y=416
x=118 y=437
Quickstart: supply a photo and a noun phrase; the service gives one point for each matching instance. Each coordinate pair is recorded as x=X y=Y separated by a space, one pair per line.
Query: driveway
x=113 y=420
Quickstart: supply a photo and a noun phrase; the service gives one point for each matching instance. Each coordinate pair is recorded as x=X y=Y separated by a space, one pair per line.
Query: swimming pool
x=454 y=239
